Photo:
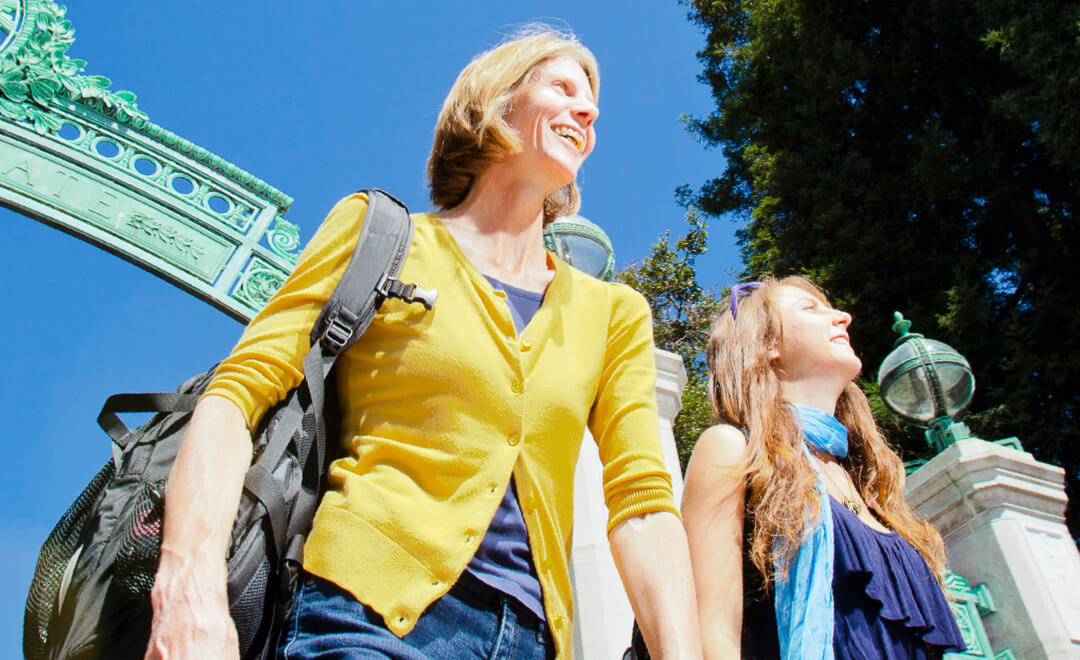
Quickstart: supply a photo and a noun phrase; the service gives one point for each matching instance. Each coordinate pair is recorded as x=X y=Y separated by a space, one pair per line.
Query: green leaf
x=101 y=82
x=14 y=90
x=69 y=67
x=44 y=89
x=45 y=122
x=13 y=111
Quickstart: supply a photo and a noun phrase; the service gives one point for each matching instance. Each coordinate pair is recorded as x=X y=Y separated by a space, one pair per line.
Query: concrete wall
x=1002 y=515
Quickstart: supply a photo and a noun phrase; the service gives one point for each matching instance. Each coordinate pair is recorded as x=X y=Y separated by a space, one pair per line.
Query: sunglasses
x=738 y=293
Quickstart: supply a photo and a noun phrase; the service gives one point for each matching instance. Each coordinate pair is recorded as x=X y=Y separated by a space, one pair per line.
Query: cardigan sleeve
x=267 y=362
x=624 y=421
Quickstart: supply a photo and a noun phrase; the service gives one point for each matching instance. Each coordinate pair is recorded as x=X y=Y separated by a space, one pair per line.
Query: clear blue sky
x=318 y=99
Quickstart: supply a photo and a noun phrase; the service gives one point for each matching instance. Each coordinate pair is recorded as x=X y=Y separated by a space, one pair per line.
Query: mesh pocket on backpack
x=140 y=547
x=248 y=610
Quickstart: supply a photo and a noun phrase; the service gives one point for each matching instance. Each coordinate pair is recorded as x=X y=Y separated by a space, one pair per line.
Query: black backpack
x=90 y=595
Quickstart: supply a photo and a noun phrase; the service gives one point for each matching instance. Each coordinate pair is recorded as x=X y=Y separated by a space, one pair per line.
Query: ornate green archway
x=86 y=160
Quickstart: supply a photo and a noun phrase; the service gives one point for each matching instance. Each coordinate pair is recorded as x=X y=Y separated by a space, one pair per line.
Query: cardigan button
x=560 y=621
x=526 y=343
x=513 y=439
x=517 y=387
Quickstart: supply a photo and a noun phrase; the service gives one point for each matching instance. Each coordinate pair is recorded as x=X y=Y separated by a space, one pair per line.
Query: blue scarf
x=804 y=597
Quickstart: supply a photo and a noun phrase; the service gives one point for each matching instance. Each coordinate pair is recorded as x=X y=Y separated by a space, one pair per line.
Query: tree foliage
x=682 y=317
x=920 y=157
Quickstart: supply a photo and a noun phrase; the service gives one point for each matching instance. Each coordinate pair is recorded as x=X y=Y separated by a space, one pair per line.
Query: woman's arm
x=651 y=554
x=191 y=605
x=647 y=539
x=712 y=508
x=191 y=611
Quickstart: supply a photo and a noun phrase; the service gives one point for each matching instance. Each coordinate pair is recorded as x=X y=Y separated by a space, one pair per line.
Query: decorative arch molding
x=84 y=159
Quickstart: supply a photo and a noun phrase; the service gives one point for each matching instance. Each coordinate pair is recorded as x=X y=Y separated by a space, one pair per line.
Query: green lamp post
x=582 y=244
x=927 y=383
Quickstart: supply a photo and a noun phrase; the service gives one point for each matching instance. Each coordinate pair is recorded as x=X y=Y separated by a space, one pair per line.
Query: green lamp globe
x=582 y=244
x=924 y=381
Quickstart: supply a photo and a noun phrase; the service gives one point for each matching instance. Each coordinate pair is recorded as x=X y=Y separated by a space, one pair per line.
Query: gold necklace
x=850 y=501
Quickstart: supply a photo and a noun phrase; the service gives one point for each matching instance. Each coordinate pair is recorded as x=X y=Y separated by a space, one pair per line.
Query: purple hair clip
x=738 y=293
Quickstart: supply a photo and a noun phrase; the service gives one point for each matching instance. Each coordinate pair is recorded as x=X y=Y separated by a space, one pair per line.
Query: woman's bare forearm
x=191 y=615
x=205 y=483
x=651 y=554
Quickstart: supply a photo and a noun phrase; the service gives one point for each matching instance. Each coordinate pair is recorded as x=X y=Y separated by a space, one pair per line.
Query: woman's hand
x=191 y=608
x=712 y=509
x=191 y=613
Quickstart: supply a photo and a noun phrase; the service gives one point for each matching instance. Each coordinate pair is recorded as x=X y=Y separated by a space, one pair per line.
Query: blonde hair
x=782 y=497
x=472 y=131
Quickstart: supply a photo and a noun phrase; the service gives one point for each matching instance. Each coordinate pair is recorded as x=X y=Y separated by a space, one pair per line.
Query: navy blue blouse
x=888 y=603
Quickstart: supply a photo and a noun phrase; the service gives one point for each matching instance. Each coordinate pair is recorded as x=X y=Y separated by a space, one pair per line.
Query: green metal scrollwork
x=258 y=284
x=284 y=238
x=35 y=69
x=969 y=605
x=86 y=159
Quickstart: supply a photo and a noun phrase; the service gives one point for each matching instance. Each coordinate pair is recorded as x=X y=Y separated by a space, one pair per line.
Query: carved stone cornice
x=975 y=478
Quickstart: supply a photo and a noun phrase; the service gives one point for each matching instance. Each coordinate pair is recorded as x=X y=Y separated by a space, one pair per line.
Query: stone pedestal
x=1001 y=514
x=602 y=615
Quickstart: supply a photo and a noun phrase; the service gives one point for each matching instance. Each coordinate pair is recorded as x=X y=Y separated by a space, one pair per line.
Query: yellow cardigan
x=438 y=408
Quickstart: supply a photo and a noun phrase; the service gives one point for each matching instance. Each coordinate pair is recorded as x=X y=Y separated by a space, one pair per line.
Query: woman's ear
x=773 y=352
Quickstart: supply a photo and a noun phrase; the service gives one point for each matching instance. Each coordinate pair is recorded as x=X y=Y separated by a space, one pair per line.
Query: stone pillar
x=602 y=615
x=1001 y=514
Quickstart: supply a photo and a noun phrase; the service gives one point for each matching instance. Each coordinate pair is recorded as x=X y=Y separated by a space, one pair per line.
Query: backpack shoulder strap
x=368 y=279
x=370 y=276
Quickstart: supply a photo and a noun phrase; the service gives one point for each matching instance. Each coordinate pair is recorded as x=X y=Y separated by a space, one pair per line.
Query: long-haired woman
x=801 y=542
x=445 y=532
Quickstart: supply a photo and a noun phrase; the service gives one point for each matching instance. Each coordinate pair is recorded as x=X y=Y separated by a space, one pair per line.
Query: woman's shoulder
x=353 y=207
x=714 y=473
x=721 y=445
x=624 y=303
x=620 y=296
x=351 y=204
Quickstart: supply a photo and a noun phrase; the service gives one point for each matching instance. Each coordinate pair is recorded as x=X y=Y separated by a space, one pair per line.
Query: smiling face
x=553 y=113
x=814 y=340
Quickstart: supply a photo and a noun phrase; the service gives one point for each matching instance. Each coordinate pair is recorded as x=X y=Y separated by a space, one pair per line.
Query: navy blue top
x=503 y=560
x=888 y=603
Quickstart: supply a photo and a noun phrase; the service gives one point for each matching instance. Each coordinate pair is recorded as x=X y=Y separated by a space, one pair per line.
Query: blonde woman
x=802 y=545
x=447 y=526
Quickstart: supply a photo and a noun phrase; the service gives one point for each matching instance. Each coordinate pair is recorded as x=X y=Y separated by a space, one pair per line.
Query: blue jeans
x=472 y=620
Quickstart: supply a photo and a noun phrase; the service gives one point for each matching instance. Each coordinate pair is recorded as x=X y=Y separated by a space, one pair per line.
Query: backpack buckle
x=338 y=331
x=410 y=293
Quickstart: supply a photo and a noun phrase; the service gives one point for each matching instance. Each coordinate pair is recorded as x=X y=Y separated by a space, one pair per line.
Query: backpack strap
x=369 y=278
x=128 y=402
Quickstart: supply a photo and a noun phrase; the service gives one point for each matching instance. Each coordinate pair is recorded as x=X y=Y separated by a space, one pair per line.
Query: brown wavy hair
x=782 y=498
x=472 y=132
